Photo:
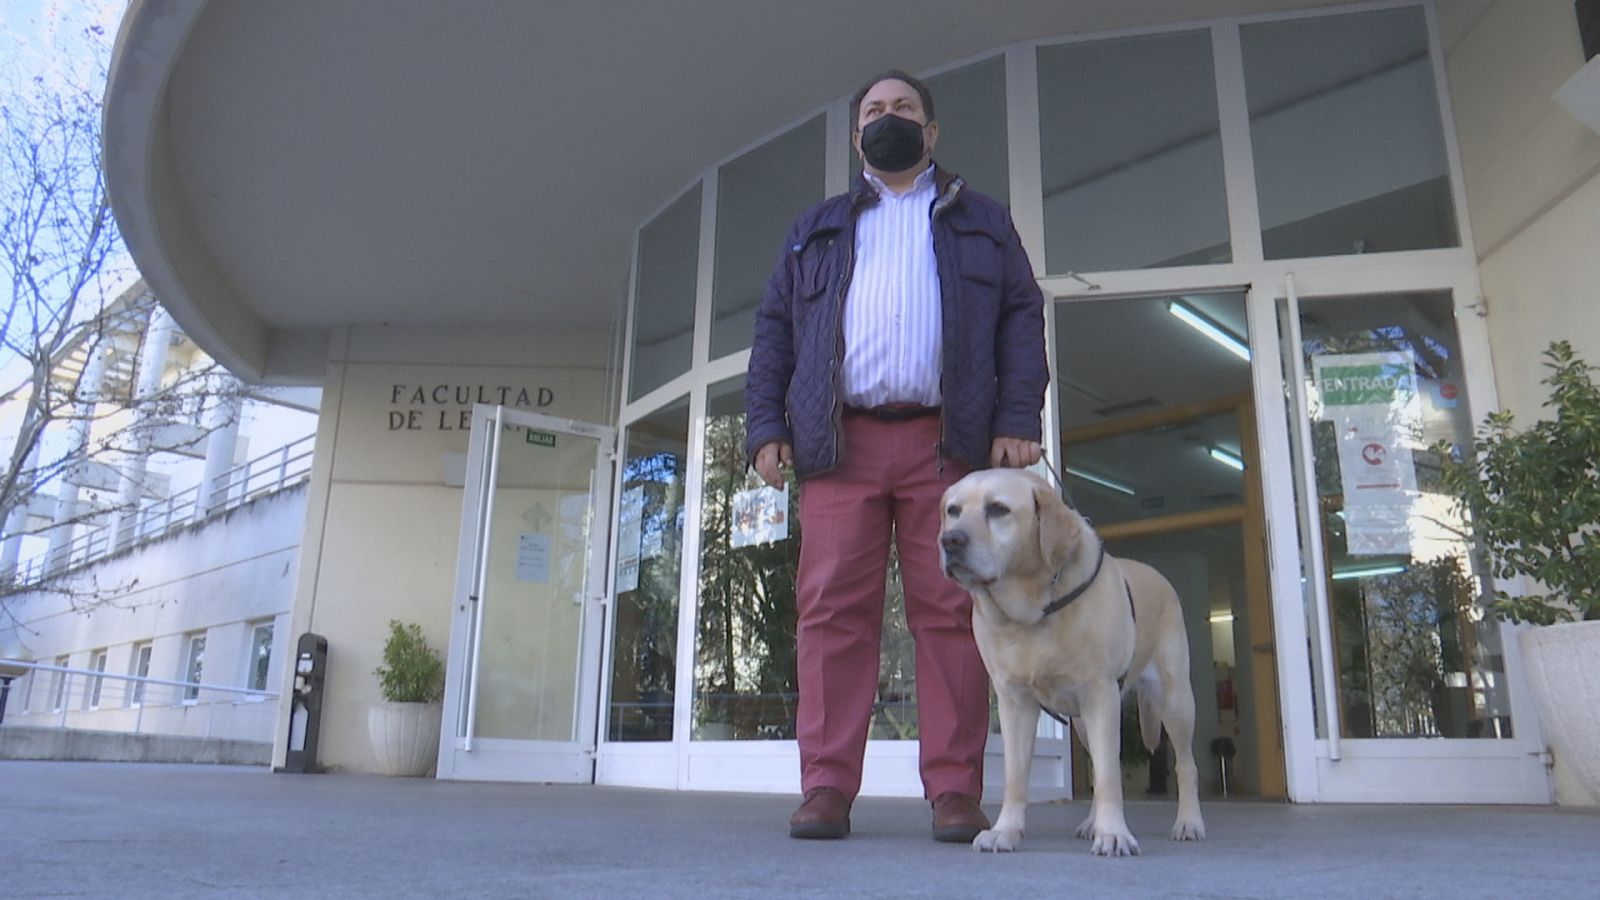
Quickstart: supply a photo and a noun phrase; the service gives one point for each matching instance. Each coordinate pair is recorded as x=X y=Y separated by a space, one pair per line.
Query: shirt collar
x=924 y=182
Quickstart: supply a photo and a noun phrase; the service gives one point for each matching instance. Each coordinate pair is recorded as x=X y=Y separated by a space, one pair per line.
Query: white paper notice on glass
x=628 y=539
x=760 y=516
x=533 y=557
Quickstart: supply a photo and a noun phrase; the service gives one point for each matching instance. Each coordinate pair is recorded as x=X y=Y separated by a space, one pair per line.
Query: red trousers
x=890 y=483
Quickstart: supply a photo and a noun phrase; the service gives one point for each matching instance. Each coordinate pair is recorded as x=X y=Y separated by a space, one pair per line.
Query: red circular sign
x=1448 y=391
x=1373 y=454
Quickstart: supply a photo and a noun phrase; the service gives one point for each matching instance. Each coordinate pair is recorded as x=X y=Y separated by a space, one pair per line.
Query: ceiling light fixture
x=1231 y=460
x=1207 y=326
x=1104 y=482
x=1367 y=571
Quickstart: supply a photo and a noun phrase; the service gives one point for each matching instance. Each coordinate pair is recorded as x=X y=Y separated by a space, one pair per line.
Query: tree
x=70 y=350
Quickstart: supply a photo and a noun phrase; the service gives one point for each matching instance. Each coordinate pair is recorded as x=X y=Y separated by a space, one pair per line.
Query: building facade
x=1288 y=247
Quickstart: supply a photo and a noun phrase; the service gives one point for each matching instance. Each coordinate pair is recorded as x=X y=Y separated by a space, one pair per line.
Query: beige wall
x=382 y=521
x=1532 y=176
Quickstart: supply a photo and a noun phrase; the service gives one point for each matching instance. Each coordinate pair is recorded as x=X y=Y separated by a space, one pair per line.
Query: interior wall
x=385 y=507
x=1532 y=174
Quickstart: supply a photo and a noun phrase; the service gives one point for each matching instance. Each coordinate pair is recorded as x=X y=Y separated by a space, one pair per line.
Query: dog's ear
x=1059 y=529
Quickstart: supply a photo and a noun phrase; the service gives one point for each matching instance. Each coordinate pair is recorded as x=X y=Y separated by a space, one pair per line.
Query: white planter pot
x=405 y=736
x=1563 y=666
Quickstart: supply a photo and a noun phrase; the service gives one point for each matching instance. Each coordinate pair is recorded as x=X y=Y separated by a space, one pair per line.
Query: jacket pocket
x=815 y=263
x=979 y=254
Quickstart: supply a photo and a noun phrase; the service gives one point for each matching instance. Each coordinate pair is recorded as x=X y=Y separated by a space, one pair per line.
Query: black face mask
x=892 y=144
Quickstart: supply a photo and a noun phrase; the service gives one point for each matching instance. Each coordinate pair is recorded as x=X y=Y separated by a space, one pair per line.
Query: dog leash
x=1066 y=495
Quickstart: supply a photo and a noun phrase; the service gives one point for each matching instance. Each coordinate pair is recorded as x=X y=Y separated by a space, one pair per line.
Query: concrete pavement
x=120 y=830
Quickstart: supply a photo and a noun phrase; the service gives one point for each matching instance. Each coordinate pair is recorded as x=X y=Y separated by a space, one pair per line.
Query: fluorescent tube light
x=1228 y=459
x=1366 y=571
x=1092 y=478
x=1219 y=618
x=1202 y=323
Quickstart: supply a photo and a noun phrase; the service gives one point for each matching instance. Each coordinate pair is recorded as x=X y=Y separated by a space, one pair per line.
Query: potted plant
x=1533 y=495
x=405 y=726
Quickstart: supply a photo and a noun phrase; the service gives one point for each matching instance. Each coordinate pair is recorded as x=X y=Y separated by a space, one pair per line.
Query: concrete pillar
x=222 y=423
x=17 y=523
x=152 y=364
x=67 y=493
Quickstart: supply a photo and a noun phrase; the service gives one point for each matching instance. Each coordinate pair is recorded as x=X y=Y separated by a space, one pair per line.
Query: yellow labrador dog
x=1065 y=626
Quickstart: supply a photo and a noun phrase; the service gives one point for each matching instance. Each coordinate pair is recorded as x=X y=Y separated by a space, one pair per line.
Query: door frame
x=1331 y=768
x=461 y=755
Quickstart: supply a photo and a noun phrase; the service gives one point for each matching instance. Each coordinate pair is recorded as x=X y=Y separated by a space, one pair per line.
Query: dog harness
x=1066 y=599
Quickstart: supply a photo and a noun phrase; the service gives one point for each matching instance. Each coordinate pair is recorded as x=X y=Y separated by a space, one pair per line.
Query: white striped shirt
x=892 y=319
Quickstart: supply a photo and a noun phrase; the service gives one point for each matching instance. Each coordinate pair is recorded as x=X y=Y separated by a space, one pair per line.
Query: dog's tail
x=1149 y=694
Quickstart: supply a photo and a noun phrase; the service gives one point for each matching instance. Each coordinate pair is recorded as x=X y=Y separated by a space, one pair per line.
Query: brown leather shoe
x=825 y=815
x=957 y=818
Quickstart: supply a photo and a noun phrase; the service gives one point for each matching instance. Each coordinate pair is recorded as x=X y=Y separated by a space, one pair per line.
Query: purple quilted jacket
x=994 y=369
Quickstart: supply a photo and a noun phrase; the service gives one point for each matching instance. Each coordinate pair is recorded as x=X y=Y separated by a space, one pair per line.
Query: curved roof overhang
x=280 y=169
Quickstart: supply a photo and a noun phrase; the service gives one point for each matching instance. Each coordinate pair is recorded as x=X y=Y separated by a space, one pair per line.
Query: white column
x=223 y=424
x=152 y=364
x=17 y=523
x=67 y=492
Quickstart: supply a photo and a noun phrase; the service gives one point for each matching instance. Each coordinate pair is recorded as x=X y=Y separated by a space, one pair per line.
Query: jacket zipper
x=939 y=206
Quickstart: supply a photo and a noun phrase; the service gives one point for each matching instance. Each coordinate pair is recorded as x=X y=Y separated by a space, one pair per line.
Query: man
x=900 y=344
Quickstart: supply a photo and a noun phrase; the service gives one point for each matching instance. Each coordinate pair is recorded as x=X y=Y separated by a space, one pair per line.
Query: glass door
x=1412 y=694
x=523 y=675
x=1159 y=450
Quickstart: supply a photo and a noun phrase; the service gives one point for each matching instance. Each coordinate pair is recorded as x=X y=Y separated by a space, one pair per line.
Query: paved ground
x=120 y=830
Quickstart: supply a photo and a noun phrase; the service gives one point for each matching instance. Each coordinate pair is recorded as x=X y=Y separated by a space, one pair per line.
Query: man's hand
x=1007 y=453
x=778 y=453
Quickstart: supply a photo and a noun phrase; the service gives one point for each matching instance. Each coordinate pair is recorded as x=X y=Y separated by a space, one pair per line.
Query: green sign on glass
x=542 y=438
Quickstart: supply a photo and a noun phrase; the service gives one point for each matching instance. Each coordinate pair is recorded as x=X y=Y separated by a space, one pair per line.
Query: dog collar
x=1061 y=602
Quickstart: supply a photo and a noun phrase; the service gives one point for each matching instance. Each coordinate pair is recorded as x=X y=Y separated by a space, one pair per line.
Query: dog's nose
x=953 y=541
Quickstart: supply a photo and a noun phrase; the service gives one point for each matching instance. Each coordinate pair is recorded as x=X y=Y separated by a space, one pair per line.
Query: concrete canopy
x=280 y=169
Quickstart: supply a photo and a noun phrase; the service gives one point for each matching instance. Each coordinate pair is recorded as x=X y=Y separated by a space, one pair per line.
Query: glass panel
x=260 y=657
x=1163 y=464
x=1157 y=457
x=532 y=607
x=141 y=667
x=1348 y=140
x=758 y=197
x=664 y=294
x=1131 y=154
x=649 y=549
x=970 y=105
x=744 y=656
x=196 y=667
x=1414 y=655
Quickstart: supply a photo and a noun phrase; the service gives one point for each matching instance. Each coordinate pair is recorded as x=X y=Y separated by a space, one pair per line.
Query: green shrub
x=412 y=672
x=1534 y=496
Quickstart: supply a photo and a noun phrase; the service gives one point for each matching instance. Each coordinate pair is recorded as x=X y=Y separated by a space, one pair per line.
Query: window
x=665 y=281
x=194 y=667
x=27 y=690
x=758 y=196
x=58 y=686
x=1348 y=139
x=260 y=659
x=91 y=698
x=140 y=668
x=650 y=536
x=1131 y=154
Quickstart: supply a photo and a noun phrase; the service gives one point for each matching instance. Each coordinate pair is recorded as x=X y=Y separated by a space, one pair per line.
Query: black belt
x=893 y=412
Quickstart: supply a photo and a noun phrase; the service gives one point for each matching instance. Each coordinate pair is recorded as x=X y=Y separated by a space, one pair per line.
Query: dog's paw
x=1189 y=829
x=997 y=840
x=1085 y=831
x=1108 y=843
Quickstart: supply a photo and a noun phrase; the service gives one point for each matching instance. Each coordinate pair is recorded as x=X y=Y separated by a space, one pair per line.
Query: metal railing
x=65 y=697
x=266 y=474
